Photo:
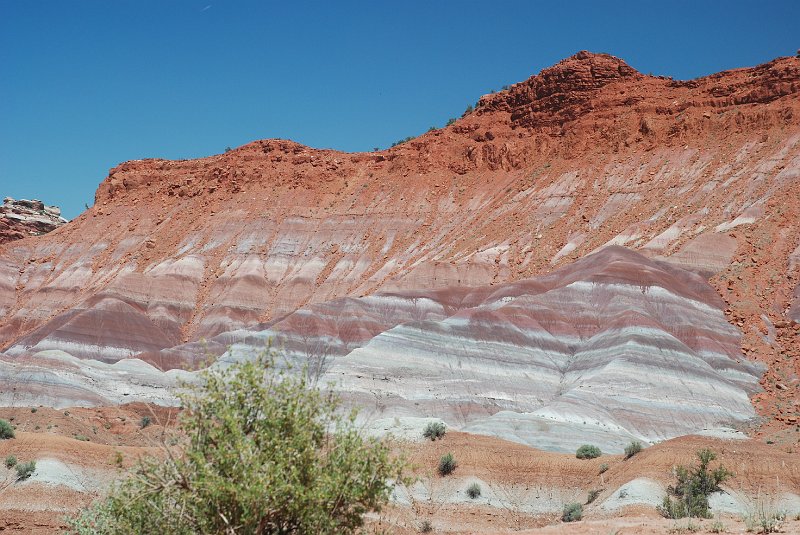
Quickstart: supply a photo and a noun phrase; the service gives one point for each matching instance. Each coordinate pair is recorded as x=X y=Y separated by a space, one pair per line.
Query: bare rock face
x=702 y=174
x=612 y=348
x=23 y=218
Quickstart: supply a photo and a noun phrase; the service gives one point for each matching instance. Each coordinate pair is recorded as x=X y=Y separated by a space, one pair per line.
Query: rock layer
x=611 y=348
x=702 y=173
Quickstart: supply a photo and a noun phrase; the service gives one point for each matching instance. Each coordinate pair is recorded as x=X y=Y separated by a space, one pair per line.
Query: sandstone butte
x=592 y=255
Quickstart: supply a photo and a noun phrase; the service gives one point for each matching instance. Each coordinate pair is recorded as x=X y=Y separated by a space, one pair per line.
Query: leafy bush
x=447 y=463
x=263 y=453
x=434 y=430
x=474 y=490
x=603 y=468
x=25 y=470
x=11 y=461
x=632 y=449
x=144 y=422
x=689 y=497
x=6 y=431
x=572 y=512
x=588 y=452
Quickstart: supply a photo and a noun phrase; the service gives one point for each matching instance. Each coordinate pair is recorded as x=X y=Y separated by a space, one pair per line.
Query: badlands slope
x=441 y=248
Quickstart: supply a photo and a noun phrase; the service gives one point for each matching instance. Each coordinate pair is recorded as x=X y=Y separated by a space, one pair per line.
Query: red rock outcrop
x=702 y=173
x=24 y=218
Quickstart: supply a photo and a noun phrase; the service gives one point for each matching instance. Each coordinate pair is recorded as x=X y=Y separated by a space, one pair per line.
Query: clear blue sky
x=85 y=85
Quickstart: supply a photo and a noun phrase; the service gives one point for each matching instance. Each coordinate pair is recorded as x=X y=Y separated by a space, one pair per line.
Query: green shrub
x=25 y=470
x=144 y=422
x=632 y=449
x=588 y=452
x=447 y=463
x=82 y=438
x=593 y=494
x=474 y=491
x=33 y=409
x=572 y=512
x=264 y=452
x=11 y=461
x=434 y=430
x=689 y=496
x=603 y=468
x=6 y=431
x=425 y=526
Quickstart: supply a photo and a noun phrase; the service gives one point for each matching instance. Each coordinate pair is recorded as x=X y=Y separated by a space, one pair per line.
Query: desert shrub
x=434 y=430
x=718 y=527
x=603 y=468
x=425 y=526
x=11 y=461
x=25 y=470
x=588 y=451
x=82 y=438
x=6 y=431
x=764 y=520
x=263 y=452
x=474 y=491
x=689 y=496
x=144 y=422
x=34 y=409
x=447 y=463
x=632 y=449
x=572 y=512
x=593 y=494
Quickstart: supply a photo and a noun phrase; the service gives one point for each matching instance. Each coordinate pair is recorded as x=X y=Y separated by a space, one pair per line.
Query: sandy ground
x=79 y=452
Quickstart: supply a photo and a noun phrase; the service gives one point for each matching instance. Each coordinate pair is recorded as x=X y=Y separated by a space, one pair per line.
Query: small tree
x=6 y=430
x=588 y=452
x=264 y=453
x=689 y=497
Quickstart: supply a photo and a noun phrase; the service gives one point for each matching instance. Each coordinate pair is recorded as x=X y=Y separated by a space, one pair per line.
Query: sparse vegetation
x=689 y=496
x=474 y=491
x=572 y=512
x=588 y=451
x=468 y=110
x=251 y=428
x=447 y=463
x=764 y=520
x=593 y=494
x=632 y=449
x=401 y=141
x=434 y=430
x=144 y=422
x=425 y=526
x=718 y=527
x=118 y=459
x=82 y=438
x=603 y=468
x=6 y=430
x=11 y=461
x=450 y=121
x=34 y=409
x=25 y=470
